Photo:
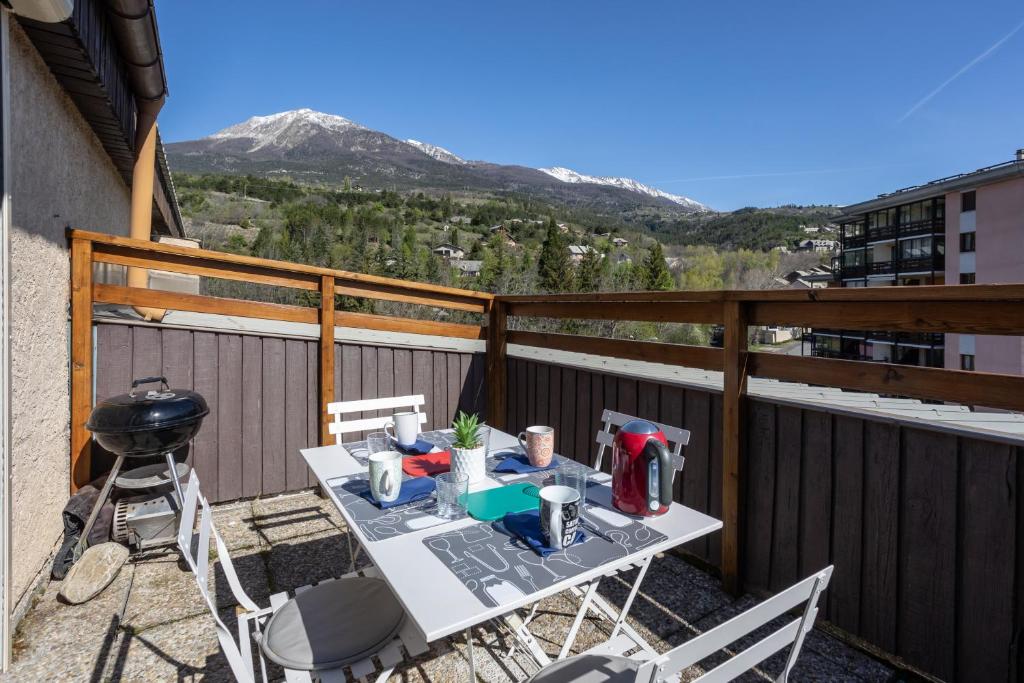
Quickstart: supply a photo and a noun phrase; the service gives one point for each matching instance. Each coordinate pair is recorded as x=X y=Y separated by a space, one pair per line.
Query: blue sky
x=731 y=103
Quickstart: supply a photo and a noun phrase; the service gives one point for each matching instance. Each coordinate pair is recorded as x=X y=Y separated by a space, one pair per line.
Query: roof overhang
x=965 y=181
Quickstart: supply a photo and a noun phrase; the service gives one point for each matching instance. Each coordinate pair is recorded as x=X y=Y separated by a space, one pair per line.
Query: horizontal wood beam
x=155 y=250
x=175 y=301
x=975 y=317
x=403 y=295
x=667 y=312
x=1010 y=292
x=956 y=386
x=119 y=256
x=386 y=323
x=703 y=357
x=684 y=295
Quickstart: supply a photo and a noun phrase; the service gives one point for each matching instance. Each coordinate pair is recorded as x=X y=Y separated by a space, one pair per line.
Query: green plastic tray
x=495 y=503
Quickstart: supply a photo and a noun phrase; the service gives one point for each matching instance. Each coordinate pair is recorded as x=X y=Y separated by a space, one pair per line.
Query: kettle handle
x=665 y=469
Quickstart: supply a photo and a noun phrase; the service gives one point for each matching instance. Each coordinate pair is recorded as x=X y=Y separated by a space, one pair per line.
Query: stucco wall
x=60 y=177
x=998 y=259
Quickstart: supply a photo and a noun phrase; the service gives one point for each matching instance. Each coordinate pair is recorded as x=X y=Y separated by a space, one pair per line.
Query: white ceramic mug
x=559 y=515
x=405 y=428
x=385 y=475
x=539 y=445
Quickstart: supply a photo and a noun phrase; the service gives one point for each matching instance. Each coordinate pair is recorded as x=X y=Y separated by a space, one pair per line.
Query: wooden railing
x=971 y=309
x=88 y=248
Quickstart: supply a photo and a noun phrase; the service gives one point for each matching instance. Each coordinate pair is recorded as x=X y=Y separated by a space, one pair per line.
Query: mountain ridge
x=331 y=148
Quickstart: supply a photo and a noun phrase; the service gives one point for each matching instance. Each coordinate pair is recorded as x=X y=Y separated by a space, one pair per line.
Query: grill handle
x=147 y=380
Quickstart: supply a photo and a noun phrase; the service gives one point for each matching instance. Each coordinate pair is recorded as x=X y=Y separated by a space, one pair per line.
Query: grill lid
x=140 y=410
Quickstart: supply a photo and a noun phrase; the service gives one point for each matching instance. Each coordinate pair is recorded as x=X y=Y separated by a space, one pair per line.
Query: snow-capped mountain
x=439 y=153
x=286 y=129
x=567 y=175
x=309 y=144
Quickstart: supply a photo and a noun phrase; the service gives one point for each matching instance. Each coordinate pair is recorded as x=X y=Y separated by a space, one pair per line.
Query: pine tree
x=656 y=275
x=554 y=265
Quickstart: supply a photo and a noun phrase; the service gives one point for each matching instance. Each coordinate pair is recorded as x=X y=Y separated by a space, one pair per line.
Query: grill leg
x=109 y=484
x=174 y=477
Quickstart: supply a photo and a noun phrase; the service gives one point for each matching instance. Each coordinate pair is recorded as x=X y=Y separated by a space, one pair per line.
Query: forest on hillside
x=510 y=246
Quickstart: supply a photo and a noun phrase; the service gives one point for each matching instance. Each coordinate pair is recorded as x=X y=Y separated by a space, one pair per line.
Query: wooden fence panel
x=847 y=520
x=264 y=398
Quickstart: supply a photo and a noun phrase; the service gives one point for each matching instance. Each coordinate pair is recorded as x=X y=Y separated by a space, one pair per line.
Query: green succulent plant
x=467 y=430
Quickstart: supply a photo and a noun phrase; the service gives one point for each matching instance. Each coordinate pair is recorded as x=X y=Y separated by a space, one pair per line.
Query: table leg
x=472 y=659
x=578 y=621
x=632 y=594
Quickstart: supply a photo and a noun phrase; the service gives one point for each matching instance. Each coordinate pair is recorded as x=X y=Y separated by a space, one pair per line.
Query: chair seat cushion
x=589 y=669
x=332 y=624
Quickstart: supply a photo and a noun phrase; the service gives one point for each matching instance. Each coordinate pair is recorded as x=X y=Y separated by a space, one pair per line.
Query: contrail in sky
x=964 y=69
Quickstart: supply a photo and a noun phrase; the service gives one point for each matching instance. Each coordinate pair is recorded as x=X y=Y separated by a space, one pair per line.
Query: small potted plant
x=469 y=449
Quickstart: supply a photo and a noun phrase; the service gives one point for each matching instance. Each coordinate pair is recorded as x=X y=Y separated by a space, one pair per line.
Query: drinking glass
x=574 y=476
x=452 y=489
x=377 y=443
x=485 y=438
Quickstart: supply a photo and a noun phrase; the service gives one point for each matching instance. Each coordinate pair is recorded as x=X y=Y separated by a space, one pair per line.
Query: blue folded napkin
x=526 y=527
x=419 y=448
x=519 y=463
x=413 y=489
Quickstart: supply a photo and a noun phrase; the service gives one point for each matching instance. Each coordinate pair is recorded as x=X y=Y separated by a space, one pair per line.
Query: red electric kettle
x=642 y=469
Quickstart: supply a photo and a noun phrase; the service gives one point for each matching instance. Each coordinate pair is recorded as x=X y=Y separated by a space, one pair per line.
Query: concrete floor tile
x=236 y=526
x=293 y=516
x=307 y=560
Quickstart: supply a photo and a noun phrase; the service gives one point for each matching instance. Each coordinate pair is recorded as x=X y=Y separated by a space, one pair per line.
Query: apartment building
x=966 y=229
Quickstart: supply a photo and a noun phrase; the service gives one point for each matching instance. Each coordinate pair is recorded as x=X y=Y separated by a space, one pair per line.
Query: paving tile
x=307 y=560
x=236 y=526
x=186 y=650
x=293 y=516
x=165 y=590
x=57 y=641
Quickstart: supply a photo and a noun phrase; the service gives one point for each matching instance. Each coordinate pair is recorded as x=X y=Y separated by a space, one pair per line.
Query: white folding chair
x=677 y=437
x=323 y=630
x=591 y=600
x=338 y=427
x=603 y=664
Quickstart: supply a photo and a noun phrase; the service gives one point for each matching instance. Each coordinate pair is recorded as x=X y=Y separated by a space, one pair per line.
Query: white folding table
x=440 y=605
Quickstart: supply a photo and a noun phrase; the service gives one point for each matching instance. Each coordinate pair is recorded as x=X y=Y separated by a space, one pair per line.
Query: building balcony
x=928 y=227
x=881 y=234
x=855 y=271
x=881 y=267
x=854 y=241
x=926 y=264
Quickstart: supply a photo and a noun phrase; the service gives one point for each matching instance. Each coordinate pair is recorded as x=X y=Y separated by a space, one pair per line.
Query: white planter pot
x=471 y=462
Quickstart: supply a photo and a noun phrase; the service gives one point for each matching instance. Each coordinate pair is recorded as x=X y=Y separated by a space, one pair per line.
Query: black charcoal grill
x=143 y=424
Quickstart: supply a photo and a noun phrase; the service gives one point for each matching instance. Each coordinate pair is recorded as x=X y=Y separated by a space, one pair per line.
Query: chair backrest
x=195 y=548
x=338 y=427
x=677 y=438
x=792 y=633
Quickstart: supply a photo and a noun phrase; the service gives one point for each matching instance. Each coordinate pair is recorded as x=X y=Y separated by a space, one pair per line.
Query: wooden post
x=733 y=438
x=81 y=361
x=497 y=367
x=326 y=355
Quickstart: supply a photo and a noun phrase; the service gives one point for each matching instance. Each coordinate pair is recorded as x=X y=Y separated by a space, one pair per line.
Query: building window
x=966 y=361
x=967 y=278
x=967 y=201
x=967 y=241
x=920 y=247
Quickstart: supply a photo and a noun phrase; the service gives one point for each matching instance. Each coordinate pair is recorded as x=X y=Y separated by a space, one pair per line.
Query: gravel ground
x=151 y=623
